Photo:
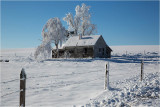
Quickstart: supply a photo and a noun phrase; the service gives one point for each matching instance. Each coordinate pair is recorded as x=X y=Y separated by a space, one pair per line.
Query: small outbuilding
x=84 y=46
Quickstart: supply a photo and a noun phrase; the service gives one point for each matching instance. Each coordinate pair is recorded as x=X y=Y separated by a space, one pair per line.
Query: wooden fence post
x=22 y=88
x=106 y=77
x=142 y=70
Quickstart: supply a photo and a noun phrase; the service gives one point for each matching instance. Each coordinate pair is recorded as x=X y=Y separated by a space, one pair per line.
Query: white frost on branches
x=81 y=23
x=43 y=51
x=52 y=32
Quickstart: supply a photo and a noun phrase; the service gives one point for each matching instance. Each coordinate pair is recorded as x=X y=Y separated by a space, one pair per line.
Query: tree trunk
x=57 y=50
x=75 y=32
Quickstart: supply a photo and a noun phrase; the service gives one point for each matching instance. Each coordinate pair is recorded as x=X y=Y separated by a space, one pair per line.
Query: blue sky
x=120 y=23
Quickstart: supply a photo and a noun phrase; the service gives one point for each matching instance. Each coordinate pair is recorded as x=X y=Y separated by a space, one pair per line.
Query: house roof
x=84 y=41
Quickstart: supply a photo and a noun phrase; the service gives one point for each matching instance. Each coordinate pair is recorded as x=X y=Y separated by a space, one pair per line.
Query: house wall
x=101 y=50
x=108 y=52
x=80 y=52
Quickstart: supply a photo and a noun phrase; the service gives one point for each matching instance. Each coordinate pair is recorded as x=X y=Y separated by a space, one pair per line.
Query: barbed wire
x=10 y=93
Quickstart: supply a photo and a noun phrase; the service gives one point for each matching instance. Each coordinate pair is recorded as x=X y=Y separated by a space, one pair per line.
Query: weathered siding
x=100 y=49
x=80 y=52
x=108 y=52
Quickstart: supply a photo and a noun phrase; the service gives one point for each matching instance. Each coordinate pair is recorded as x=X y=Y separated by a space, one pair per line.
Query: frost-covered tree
x=81 y=23
x=44 y=50
x=52 y=32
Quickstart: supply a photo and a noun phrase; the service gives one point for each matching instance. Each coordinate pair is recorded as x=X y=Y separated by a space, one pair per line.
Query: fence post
x=142 y=70
x=106 y=77
x=22 y=88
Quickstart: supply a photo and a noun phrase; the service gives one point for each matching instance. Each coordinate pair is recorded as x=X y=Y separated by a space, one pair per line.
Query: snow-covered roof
x=84 y=41
x=59 y=47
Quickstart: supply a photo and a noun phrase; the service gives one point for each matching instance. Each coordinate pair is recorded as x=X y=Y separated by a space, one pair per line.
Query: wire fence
x=106 y=83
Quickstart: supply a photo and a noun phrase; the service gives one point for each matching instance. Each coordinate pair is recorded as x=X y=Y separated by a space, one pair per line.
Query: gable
x=101 y=42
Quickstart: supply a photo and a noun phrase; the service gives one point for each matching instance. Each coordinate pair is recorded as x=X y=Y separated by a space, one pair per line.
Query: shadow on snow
x=115 y=59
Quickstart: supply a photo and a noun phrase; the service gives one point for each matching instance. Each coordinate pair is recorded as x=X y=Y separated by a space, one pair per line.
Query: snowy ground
x=80 y=82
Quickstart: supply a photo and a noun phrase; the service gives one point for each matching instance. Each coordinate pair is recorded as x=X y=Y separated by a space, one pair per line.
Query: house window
x=103 y=51
x=85 y=50
x=71 y=51
x=99 y=50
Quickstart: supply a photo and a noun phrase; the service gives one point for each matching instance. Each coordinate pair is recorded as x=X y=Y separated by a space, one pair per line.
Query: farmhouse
x=83 y=47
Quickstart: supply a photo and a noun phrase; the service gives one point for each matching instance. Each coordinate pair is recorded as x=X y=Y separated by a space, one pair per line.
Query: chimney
x=80 y=36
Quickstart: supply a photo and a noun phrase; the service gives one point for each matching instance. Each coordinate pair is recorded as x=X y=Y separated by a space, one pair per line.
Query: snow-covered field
x=80 y=82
